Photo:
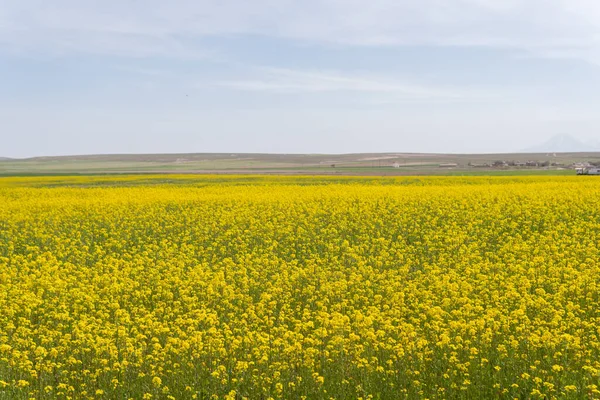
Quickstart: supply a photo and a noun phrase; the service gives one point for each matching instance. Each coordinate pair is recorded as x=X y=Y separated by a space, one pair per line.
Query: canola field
x=216 y=287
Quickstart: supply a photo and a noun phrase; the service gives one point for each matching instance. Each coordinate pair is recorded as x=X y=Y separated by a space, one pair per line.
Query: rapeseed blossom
x=317 y=288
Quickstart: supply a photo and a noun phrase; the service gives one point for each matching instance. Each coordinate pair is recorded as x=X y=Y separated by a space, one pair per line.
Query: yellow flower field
x=183 y=287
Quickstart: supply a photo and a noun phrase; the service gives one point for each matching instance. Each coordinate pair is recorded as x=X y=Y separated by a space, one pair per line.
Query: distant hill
x=5 y=158
x=563 y=144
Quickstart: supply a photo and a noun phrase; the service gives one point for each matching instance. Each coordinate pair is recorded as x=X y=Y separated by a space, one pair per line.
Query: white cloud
x=281 y=80
x=156 y=27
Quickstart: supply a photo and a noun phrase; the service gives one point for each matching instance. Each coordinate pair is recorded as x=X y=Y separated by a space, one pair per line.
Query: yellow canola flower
x=299 y=287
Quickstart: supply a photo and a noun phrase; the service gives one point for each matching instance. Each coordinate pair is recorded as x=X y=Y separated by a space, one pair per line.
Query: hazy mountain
x=563 y=144
x=5 y=159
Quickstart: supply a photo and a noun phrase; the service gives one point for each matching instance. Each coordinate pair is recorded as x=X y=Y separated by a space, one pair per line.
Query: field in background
x=348 y=164
x=291 y=287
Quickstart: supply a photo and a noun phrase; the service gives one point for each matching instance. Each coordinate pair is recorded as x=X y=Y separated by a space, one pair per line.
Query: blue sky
x=317 y=76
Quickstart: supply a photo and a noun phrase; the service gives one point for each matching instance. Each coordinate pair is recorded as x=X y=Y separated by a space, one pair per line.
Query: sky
x=289 y=76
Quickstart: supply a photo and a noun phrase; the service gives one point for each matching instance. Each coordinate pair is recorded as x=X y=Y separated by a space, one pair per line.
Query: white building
x=588 y=171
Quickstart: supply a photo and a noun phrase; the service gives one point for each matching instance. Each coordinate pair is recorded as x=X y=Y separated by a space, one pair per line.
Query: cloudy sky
x=290 y=76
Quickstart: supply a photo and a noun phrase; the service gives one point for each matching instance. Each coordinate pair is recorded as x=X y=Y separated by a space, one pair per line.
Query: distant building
x=484 y=165
x=579 y=165
x=588 y=171
x=449 y=165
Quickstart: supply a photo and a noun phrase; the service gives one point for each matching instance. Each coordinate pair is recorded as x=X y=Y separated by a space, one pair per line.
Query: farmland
x=378 y=164
x=290 y=287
